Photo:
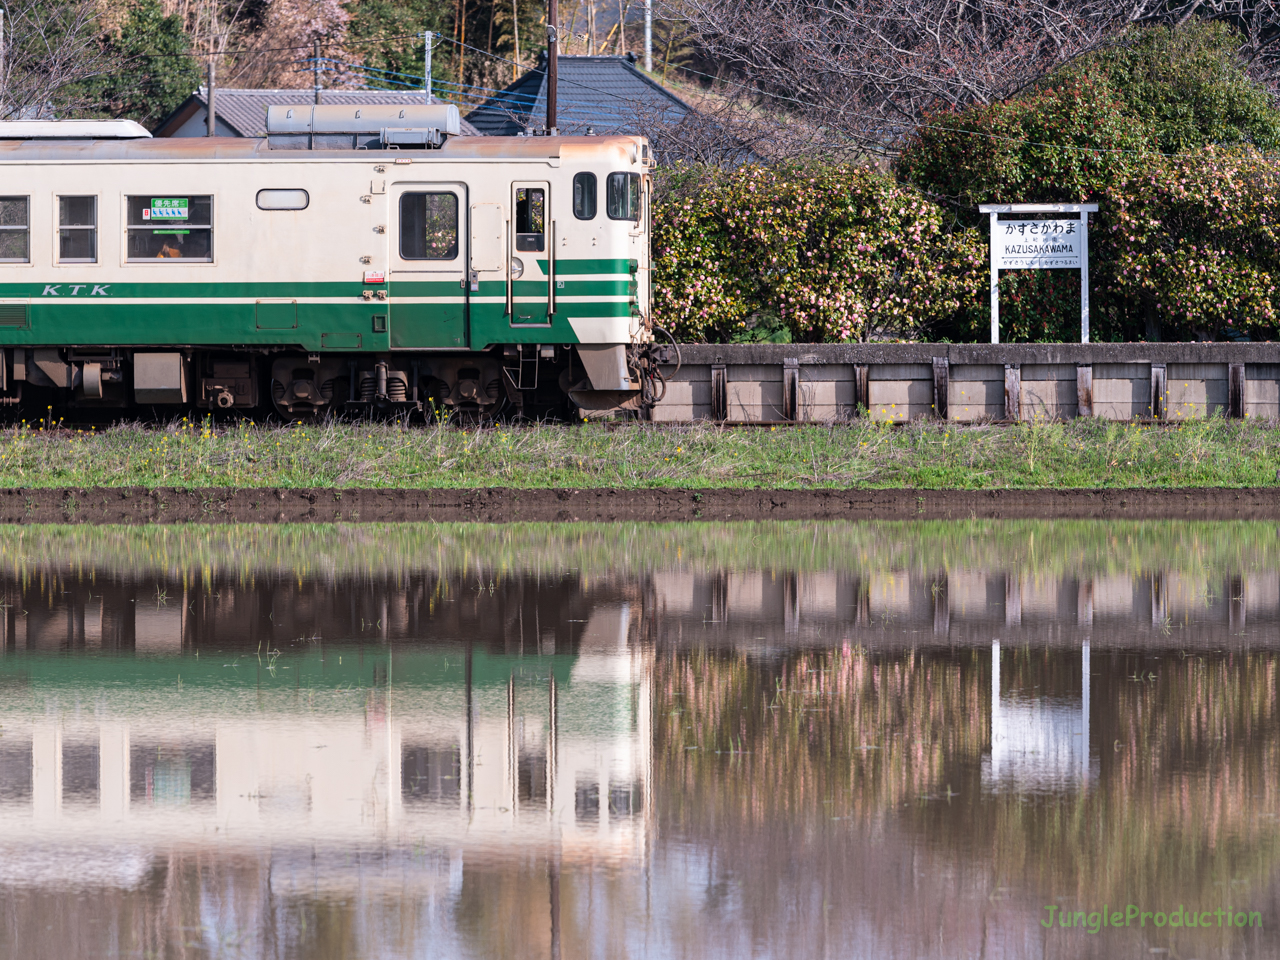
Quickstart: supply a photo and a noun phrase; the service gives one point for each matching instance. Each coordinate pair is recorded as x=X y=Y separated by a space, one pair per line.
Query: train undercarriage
x=536 y=381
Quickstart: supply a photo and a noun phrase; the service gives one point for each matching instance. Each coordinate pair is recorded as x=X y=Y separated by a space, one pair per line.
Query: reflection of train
x=437 y=745
x=356 y=258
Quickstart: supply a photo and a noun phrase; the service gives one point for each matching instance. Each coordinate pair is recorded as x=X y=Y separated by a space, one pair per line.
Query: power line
x=501 y=96
x=940 y=128
x=200 y=55
x=751 y=89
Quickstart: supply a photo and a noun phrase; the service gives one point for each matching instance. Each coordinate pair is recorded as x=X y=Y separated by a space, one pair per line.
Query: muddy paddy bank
x=507 y=505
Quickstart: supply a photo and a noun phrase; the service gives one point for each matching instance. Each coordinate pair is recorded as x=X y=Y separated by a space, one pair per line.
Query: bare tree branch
x=871 y=70
x=49 y=47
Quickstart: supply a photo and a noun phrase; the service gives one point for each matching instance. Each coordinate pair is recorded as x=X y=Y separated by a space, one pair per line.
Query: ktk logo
x=53 y=289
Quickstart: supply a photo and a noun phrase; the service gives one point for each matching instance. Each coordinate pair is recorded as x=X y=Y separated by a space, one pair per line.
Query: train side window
x=170 y=228
x=428 y=226
x=584 y=196
x=15 y=230
x=77 y=229
x=531 y=218
x=622 y=196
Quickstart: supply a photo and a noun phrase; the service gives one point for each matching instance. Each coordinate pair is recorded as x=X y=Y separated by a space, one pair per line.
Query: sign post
x=1057 y=244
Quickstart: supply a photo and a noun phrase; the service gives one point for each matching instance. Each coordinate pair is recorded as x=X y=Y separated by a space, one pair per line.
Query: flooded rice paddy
x=567 y=741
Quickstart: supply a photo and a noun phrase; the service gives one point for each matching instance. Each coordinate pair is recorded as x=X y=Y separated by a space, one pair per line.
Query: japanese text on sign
x=166 y=209
x=1036 y=244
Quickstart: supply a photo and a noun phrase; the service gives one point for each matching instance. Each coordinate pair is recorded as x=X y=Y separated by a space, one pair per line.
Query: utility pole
x=553 y=57
x=648 y=35
x=3 y=85
x=315 y=67
x=210 y=116
x=515 y=28
x=426 y=66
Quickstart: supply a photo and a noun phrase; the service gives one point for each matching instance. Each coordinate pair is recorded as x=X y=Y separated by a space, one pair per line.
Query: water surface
x=765 y=740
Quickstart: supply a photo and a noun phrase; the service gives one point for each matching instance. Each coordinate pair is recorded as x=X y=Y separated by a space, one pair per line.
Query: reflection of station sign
x=1038 y=743
x=1037 y=244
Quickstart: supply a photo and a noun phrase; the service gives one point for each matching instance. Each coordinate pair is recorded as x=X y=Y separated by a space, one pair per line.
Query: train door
x=640 y=240
x=428 y=283
x=531 y=294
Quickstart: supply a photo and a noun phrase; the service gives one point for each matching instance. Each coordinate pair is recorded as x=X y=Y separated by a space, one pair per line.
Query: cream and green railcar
x=355 y=258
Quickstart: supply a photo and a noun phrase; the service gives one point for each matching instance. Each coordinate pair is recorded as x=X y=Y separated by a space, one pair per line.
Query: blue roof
x=608 y=94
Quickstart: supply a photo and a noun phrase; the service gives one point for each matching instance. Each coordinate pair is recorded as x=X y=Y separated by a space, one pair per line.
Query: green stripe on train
x=222 y=324
x=565 y=287
x=64 y=291
x=86 y=288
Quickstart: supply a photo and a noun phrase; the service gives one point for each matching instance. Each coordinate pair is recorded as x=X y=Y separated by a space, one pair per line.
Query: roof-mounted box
x=374 y=127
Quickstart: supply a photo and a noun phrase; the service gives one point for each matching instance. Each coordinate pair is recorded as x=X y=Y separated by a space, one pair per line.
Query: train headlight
x=517 y=268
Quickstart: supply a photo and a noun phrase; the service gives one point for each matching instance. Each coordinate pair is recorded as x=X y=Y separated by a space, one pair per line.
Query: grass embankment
x=1079 y=453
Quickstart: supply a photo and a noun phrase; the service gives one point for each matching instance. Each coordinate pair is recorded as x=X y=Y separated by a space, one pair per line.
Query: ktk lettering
x=99 y=289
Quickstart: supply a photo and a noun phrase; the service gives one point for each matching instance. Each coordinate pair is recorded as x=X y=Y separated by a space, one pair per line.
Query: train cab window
x=15 y=230
x=584 y=196
x=428 y=226
x=170 y=228
x=622 y=196
x=77 y=229
x=531 y=218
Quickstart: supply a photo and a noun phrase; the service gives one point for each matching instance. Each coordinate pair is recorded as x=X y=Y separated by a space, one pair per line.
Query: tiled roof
x=608 y=94
x=246 y=110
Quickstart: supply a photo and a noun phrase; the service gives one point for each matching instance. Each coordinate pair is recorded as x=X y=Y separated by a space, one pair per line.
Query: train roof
x=247 y=148
x=72 y=129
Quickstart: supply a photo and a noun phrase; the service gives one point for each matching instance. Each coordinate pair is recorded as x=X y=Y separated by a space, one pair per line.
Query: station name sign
x=1057 y=244
x=1037 y=244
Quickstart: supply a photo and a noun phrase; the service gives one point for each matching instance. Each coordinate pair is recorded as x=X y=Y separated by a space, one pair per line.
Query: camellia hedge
x=829 y=253
x=1184 y=245
x=1192 y=244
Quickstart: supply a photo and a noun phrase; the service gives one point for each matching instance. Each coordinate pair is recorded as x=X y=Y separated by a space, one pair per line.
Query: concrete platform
x=745 y=383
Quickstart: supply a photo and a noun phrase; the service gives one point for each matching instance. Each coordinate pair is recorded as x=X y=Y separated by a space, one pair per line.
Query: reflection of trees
x=187 y=900
x=1188 y=759
x=1186 y=762
x=821 y=733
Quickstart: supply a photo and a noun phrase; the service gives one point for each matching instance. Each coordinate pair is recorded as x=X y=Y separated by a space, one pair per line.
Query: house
x=243 y=113
x=593 y=95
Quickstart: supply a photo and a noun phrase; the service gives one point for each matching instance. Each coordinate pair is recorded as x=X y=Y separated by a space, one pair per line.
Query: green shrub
x=831 y=253
x=1191 y=248
x=1188 y=86
x=1063 y=143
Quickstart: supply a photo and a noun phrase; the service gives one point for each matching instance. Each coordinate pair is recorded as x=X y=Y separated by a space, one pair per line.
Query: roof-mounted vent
x=72 y=130
x=380 y=127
